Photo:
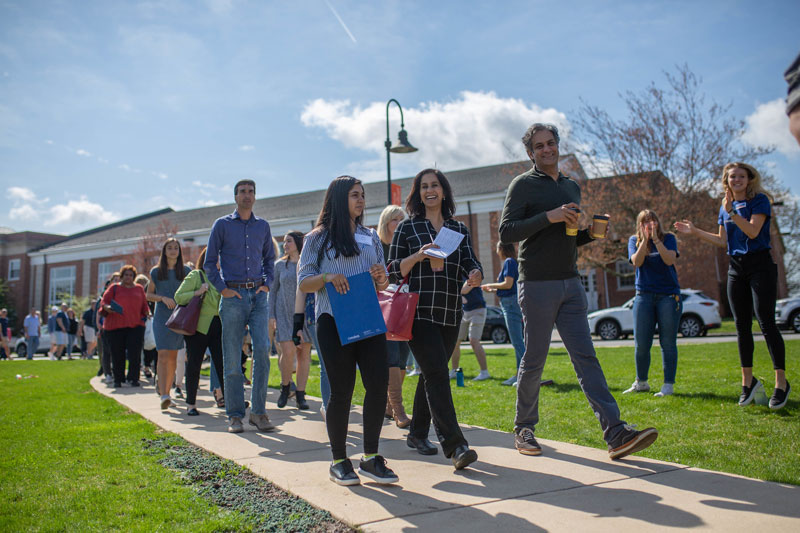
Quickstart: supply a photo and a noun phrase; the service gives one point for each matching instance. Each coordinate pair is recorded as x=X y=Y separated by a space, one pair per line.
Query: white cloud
x=247 y=147
x=768 y=125
x=208 y=203
x=102 y=160
x=125 y=167
x=48 y=141
x=160 y=175
x=79 y=212
x=20 y=193
x=83 y=153
x=23 y=212
x=476 y=129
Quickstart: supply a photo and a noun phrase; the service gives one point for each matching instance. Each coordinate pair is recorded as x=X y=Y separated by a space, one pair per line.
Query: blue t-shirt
x=473 y=299
x=52 y=325
x=3 y=326
x=510 y=270
x=655 y=275
x=738 y=242
x=31 y=325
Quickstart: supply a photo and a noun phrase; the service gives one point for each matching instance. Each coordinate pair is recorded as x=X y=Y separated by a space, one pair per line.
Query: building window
x=625 y=276
x=62 y=284
x=13 y=269
x=104 y=271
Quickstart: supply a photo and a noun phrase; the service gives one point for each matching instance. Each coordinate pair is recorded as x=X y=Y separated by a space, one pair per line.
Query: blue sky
x=112 y=109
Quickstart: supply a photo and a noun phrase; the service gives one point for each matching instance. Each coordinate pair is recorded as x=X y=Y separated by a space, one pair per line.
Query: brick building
x=80 y=264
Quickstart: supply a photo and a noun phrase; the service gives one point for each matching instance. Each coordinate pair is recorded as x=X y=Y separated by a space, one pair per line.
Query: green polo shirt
x=545 y=250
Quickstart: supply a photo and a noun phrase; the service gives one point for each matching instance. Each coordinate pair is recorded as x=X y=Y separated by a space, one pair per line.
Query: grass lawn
x=701 y=425
x=74 y=460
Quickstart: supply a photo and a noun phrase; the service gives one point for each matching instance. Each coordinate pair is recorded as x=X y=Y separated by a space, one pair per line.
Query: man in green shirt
x=541 y=212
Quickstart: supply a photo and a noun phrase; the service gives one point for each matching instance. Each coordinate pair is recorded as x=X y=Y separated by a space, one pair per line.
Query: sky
x=113 y=109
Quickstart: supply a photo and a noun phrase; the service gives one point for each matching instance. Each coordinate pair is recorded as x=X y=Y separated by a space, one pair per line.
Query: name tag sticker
x=363 y=239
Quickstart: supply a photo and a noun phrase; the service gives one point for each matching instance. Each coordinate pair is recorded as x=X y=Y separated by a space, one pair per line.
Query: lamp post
x=401 y=146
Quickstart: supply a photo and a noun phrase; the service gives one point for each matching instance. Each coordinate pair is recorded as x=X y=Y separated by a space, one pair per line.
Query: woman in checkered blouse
x=430 y=207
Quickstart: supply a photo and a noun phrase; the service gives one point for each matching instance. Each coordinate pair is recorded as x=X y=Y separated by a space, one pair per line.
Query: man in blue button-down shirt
x=242 y=244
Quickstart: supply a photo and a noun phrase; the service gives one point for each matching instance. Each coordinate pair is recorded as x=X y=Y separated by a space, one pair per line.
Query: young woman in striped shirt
x=340 y=246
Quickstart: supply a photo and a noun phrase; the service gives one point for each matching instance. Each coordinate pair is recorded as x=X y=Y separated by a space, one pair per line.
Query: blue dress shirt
x=244 y=249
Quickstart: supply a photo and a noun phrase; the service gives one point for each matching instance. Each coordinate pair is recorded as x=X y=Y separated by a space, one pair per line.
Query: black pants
x=151 y=358
x=195 y=353
x=433 y=345
x=125 y=343
x=340 y=364
x=105 y=352
x=752 y=284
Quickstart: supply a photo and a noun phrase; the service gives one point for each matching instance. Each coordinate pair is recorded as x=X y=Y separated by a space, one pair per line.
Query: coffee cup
x=599 y=226
x=572 y=228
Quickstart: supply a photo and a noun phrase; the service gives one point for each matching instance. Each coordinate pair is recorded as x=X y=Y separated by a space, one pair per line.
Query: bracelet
x=731 y=212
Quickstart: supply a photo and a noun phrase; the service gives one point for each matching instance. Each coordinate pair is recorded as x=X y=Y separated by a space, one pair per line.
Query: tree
x=6 y=302
x=148 y=248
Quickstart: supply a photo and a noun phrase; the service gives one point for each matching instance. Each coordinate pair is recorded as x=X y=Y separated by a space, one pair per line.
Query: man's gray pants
x=563 y=303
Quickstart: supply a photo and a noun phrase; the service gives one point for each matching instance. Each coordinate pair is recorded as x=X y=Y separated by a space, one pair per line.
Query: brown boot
x=396 y=376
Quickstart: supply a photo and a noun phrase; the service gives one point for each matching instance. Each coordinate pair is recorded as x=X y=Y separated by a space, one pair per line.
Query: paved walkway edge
x=567 y=488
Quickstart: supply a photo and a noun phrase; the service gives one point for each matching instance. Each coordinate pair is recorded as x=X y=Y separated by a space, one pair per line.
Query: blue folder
x=357 y=313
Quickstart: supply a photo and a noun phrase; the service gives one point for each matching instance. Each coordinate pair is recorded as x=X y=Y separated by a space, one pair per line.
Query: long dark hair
x=163 y=269
x=335 y=218
x=297 y=237
x=414 y=205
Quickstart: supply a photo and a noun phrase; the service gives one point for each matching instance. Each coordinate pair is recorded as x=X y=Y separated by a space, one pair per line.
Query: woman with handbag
x=398 y=351
x=209 y=329
x=430 y=207
x=337 y=247
x=124 y=305
x=282 y=294
x=165 y=278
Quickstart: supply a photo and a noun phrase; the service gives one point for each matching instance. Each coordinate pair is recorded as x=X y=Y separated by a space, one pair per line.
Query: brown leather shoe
x=396 y=376
x=261 y=422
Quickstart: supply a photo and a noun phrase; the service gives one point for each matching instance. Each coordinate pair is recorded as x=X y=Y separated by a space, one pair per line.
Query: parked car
x=700 y=313
x=495 y=327
x=21 y=345
x=787 y=314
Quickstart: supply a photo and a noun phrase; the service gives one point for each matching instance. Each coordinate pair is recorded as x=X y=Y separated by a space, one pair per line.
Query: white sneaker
x=415 y=372
x=666 y=390
x=638 y=386
x=484 y=374
x=452 y=374
x=51 y=356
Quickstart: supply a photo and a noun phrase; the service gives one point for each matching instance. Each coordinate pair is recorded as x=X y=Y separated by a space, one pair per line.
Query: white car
x=700 y=313
x=787 y=314
x=21 y=345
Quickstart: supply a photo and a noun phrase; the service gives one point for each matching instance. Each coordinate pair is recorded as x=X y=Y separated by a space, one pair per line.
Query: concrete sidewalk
x=568 y=488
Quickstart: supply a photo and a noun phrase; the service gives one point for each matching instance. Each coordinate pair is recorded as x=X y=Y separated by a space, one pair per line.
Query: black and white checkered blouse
x=439 y=292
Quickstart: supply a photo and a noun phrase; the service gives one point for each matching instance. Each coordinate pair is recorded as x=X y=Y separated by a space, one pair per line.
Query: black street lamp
x=401 y=146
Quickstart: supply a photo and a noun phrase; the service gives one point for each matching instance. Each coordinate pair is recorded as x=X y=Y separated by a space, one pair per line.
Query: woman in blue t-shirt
x=744 y=222
x=657 y=301
x=506 y=288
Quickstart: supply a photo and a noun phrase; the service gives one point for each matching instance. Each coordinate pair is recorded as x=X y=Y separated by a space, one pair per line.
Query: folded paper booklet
x=357 y=313
x=115 y=306
x=447 y=241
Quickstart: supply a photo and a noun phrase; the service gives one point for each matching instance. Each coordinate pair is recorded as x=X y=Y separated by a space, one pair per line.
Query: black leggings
x=432 y=346
x=752 y=284
x=340 y=365
x=195 y=353
x=151 y=358
x=125 y=343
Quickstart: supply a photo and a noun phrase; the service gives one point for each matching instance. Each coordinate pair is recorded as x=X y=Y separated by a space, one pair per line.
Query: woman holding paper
x=340 y=246
x=430 y=207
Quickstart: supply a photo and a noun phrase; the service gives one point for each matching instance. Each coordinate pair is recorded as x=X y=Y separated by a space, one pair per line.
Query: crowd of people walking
x=244 y=293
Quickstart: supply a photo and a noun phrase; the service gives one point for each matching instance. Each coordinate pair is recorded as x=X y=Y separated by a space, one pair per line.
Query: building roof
x=467 y=183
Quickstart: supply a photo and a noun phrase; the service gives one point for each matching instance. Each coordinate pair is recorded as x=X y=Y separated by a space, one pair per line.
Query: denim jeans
x=324 y=384
x=649 y=309
x=513 y=315
x=33 y=345
x=236 y=313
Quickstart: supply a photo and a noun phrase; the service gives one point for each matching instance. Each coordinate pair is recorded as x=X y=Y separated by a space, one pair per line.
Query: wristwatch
x=731 y=211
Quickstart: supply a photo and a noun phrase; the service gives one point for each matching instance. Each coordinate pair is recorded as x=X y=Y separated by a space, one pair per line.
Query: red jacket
x=134 y=306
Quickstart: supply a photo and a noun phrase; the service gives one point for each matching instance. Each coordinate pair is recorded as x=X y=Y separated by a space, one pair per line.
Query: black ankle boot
x=284 y=397
x=300 y=398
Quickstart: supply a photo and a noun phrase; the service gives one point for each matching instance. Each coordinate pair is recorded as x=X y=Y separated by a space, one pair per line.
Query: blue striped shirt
x=349 y=266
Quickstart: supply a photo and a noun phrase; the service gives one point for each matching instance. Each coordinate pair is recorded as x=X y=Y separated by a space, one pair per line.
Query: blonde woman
x=744 y=222
x=658 y=299
x=397 y=351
